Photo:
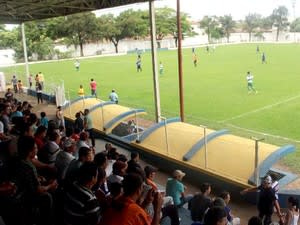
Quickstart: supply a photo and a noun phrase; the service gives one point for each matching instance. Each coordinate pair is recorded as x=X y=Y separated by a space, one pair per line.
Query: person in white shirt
x=114 y=96
x=250 y=83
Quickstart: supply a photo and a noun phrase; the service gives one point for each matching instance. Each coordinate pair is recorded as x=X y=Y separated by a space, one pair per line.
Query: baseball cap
x=69 y=142
x=178 y=173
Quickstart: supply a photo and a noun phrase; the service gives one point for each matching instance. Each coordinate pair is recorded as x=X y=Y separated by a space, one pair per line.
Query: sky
x=237 y=8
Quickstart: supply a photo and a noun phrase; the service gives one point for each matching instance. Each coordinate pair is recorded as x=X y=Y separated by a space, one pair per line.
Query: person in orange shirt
x=126 y=210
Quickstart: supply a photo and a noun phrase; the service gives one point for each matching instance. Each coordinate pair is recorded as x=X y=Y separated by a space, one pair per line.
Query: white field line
x=262 y=133
x=260 y=109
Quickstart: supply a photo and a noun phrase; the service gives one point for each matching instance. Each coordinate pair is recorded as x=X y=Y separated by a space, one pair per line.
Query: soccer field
x=215 y=92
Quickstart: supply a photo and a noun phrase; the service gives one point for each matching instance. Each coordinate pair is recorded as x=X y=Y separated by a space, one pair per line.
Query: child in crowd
x=44 y=119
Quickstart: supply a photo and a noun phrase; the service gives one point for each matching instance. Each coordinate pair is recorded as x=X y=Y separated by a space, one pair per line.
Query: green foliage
x=280 y=19
x=228 y=25
x=210 y=25
x=8 y=39
x=295 y=25
x=252 y=21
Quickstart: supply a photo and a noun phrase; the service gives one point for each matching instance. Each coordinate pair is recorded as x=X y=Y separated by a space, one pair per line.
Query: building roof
x=18 y=11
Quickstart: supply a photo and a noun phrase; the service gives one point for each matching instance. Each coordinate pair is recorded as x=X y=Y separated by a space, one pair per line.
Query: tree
x=129 y=24
x=77 y=29
x=295 y=25
x=209 y=24
x=280 y=20
x=8 y=39
x=251 y=23
x=228 y=25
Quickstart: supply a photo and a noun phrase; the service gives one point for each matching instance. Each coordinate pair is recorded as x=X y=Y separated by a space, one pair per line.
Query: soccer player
x=139 y=64
x=93 y=86
x=77 y=65
x=161 y=68
x=263 y=58
x=257 y=49
x=195 y=60
x=250 y=83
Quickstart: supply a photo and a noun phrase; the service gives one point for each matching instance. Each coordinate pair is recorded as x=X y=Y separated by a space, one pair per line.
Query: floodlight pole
x=256 y=167
x=179 y=36
x=25 y=53
x=154 y=61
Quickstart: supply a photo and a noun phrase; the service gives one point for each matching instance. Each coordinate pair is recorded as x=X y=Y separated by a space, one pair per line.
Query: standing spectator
x=50 y=151
x=41 y=79
x=254 y=220
x=200 y=203
x=30 y=81
x=93 y=86
x=40 y=137
x=39 y=93
x=78 y=123
x=60 y=121
x=14 y=82
x=20 y=87
x=114 y=96
x=292 y=215
x=176 y=189
x=88 y=125
x=80 y=204
x=267 y=200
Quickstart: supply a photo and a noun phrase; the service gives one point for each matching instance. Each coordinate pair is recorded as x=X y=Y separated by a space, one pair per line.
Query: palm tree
x=227 y=24
x=280 y=20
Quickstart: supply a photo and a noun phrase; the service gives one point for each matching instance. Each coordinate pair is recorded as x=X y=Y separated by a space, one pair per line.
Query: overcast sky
x=237 y=8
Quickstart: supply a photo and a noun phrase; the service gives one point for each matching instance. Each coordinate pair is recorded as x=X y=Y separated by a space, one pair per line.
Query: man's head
x=205 y=188
x=88 y=174
x=85 y=154
x=86 y=111
x=267 y=181
x=26 y=147
x=69 y=145
x=215 y=216
x=100 y=160
x=178 y=174
x=132 y=185
x=225 y=195
x=150 y=172
x=135 y=156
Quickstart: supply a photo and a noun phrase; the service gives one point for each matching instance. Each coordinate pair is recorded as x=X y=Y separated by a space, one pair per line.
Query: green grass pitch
x=215 y=92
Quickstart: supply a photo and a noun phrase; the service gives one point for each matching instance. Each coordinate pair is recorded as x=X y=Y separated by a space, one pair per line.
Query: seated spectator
x=176 y=189
x=39 y=137
x=32 y=193
x=64 y=158
x=125 y=209
x=101 y=161
x=49 y=153
x=17 y=112
x=168 y=208
x=83 y=142
x=5 y=111
x=215 y=216
x=200 y=203
x=9 y=95
x=118 y=173
x=44 y=119
x=76 y=135
x=231 y=219
x=80 y=204
x=33 y=120
x=133 y=163
x=123 y=158
x=292 y=215
x=85 y=155
x=254 y=220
